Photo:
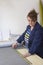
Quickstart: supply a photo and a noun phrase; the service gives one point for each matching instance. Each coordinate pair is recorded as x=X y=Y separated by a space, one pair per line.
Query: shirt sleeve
x=36 y=42
x=21 y=38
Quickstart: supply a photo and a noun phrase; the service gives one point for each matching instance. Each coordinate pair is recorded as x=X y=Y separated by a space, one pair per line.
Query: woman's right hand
x=14 y=45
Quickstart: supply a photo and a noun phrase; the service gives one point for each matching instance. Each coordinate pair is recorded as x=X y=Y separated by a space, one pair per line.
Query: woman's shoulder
x=38 y=26
x=39 y=29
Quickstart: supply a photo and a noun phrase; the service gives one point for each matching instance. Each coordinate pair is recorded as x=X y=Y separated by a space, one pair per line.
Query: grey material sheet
x=9 y=56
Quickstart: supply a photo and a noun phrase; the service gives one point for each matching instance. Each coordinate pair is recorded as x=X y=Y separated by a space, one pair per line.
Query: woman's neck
x=32 y=28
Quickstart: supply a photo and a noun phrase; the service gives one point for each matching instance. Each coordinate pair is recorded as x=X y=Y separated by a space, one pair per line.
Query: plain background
x=13 y=16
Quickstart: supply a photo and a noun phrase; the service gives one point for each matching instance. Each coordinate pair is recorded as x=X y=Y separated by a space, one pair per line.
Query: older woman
x=32 y=36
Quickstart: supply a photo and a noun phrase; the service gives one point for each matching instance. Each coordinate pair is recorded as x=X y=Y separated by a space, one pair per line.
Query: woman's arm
x=21 y=38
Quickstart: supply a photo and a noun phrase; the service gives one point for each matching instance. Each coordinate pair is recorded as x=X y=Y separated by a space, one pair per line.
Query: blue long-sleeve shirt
x=35 y=40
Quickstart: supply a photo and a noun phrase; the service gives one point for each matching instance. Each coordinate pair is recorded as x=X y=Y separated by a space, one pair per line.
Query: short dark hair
x=33 y=15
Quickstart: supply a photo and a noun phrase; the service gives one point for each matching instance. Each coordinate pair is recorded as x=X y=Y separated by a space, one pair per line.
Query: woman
x=32 y=36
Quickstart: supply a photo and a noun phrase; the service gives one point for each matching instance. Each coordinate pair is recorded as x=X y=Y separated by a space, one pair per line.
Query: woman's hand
x=26 y=55
x=14 y=45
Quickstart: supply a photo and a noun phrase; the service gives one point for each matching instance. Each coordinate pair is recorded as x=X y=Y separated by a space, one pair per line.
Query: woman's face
x=31 y=22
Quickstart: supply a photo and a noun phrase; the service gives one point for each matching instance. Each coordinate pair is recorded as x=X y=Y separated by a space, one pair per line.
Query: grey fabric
x=9 y=56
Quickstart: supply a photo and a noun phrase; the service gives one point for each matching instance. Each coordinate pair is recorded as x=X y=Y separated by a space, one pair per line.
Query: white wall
x=13 y=15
